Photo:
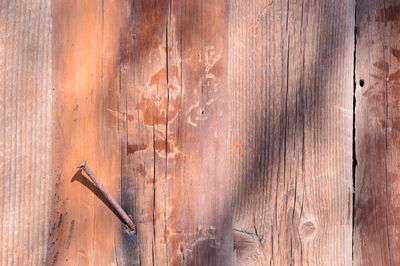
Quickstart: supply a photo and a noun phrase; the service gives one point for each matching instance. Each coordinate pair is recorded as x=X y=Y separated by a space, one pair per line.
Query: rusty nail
x=108 y=196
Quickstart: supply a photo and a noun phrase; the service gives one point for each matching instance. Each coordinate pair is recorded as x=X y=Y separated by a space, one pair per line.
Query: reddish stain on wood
x=382 y=65
x=391 y=13
x=149 y=33
x=162 y=146
x=396 y=53
x=141 y=169
x=132 y=148
x=394 y=76
x=161 y=103
x=378 y=77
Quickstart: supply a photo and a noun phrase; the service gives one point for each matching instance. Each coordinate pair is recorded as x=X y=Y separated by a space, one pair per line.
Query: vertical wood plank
x=144 y=78
x=177 y=157
x=200 y=223
x=25 y=123
x=376 y=232
x=291 y=75
x=86 y=40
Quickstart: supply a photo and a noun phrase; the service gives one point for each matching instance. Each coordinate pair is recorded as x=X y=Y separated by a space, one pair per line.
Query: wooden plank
x=177 y=157
x=25 y=121
x=86 y=40
x=291 y=75
x=376 y=232
x=144 y=82
x=201 y=194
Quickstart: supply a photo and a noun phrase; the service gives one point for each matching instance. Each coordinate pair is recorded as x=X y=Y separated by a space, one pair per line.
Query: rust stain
x=394 y=76
x=396 y=53
x=383 y=123
x=370 y=90
x=382 y=65
x=391 y=13
x=141 y=169
x=150 y=181
x=378 y=77
x=121 y=115
x=149 y=30
x=161 y=101
x=132 y=148
x=160 y=179
x=159 y=79
x=162 y=145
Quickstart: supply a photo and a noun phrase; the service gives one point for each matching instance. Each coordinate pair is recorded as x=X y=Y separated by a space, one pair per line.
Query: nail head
x=82 y=164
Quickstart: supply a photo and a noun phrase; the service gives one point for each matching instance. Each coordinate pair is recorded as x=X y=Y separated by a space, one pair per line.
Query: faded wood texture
x=140 y=93
x=291 y=76
x=25 y=130
x=377 y=203
x=224 y=128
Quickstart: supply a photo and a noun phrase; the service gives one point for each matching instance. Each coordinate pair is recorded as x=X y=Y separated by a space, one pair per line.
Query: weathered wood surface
x=25 y=130
x=140 y=93
x=176 y=164
x=377 y=224
x=86 y=41
x=224 y=128
x=291 y=75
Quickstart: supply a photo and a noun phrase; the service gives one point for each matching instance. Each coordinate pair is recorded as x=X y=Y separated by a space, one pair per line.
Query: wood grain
x=291 y=75
x=25 y=121
x=86 y=39
x=141 y=95
x=376 y=231
x=177 y=158
x=224 y=129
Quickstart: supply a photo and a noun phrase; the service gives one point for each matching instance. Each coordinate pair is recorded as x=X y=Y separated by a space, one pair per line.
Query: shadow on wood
x=79 y=177
x=282 y=126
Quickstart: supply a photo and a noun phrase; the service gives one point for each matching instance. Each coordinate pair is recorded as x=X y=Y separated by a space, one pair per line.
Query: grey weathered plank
x=377 y=227
x=177 y=160
x=25 y=130
x=291 y=75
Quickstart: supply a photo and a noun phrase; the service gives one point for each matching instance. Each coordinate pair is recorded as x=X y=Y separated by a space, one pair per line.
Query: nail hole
x=202 y=112
x=361 y=83
x=130 y=230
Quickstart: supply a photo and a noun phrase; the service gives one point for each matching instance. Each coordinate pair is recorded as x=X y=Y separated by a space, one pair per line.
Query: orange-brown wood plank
x=86 y=41
x=291 y=76
x=377 y=203
x=25 y=130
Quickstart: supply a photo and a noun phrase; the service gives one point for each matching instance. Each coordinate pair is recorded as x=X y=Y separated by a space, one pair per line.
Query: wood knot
x=247 y=247
x=307 y=230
